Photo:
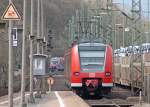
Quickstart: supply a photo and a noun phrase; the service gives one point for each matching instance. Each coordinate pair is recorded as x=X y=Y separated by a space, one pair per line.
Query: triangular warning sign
x=11 y=13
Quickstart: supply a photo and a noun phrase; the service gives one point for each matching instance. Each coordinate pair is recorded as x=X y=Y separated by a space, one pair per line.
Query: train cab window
x=92 y=59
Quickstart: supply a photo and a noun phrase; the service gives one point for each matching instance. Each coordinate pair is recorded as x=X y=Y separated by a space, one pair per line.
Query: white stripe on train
x=76 y=84
x=80 y=84
x=107 y=84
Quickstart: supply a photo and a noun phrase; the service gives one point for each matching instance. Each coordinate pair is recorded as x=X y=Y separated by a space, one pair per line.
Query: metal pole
x=42 y=23
x=114 y=23
x=23 y=104
x=43 y=43
x=42 y=32
x=148 y=22
x=132 y=70
x=31 y=52
x=148 y=88
x=38 y=94
x=77 y=21
x=123 y=41
x=115 y=37
x=113 y=30
x=10 y=82
x=38 y=27
x=31 y=71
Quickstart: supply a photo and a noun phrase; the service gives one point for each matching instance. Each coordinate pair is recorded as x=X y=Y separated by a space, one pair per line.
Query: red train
x=88 y=68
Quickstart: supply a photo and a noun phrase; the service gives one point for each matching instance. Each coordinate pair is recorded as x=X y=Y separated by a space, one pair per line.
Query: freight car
x=125 y=75
x=88 y=69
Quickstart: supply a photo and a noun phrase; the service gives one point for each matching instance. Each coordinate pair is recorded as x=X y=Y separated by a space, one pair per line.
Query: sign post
x=10 y=14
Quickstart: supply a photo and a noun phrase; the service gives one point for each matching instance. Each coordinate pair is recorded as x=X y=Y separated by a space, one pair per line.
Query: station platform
x=54 y=99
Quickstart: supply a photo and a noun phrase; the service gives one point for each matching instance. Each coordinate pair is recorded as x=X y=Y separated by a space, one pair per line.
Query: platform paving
x=52 y=99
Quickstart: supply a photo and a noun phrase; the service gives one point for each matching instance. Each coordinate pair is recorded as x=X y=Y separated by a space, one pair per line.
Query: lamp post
x=147 y=34
x=148 y=30
x=116 y=33
x=99 y=20
x=123 y=27
x=126 y=30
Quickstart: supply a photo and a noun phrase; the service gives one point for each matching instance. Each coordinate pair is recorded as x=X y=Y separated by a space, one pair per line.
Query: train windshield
x=92 y=58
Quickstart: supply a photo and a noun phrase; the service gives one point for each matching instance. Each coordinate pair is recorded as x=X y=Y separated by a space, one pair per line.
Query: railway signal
x=49 y=44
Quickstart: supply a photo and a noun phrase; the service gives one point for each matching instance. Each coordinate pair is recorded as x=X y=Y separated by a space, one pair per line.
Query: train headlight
x=76 y=73
x=107 y=74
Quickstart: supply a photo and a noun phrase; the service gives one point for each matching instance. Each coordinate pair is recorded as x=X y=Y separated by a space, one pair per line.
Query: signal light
x=76 y=73
x=107 y=73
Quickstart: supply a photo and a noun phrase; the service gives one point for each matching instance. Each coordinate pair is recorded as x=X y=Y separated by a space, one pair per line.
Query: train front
x=94 y=73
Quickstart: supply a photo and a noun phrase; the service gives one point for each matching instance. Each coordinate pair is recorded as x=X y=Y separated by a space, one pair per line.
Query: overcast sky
x=128 y=4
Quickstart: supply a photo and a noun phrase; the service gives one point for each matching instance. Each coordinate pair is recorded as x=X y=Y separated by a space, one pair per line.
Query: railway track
x=109 y=103
x=118 y=98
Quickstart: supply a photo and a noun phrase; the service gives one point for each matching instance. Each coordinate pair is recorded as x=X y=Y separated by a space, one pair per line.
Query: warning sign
x=11 y=13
